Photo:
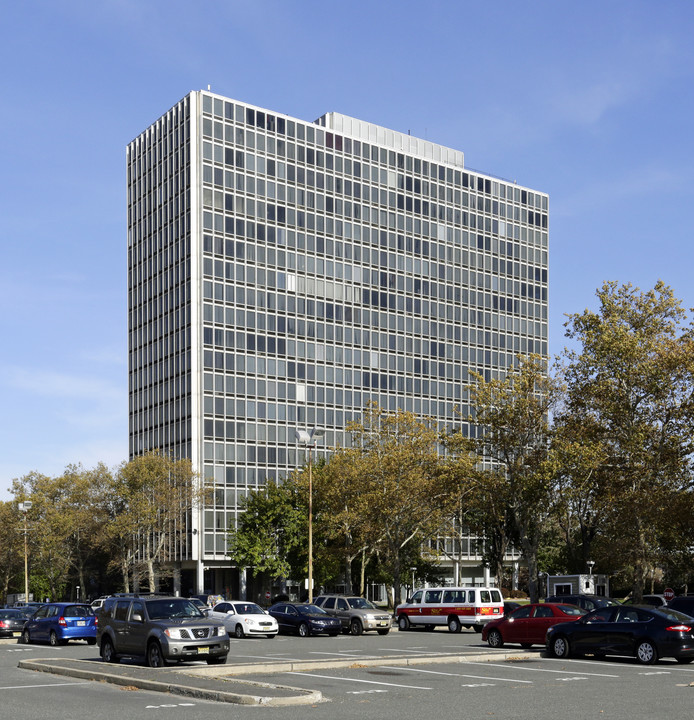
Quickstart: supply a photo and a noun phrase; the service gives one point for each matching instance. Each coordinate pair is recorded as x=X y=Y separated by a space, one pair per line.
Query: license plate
x=16 y=634
x=383 y=623
x=81 y=623
x=203 y=651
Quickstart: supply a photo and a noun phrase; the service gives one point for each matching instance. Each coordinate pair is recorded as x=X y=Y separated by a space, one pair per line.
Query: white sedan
x=244 y=618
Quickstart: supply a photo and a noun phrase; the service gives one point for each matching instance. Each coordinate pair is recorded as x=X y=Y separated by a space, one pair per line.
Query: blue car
x=56 y=623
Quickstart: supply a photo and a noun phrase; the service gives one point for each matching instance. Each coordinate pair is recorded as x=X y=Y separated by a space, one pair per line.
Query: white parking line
x=476 y=677
x=518 y=666
x=341 y=653
x=368 y=682
x=400 y=651
x=29 y=687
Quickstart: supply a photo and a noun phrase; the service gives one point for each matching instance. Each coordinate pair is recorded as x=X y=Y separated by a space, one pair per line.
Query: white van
x=456 y=607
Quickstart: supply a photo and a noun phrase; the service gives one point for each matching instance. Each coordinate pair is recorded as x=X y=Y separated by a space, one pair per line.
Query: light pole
x=413 y=572
x=24 y=508
x=306 y=438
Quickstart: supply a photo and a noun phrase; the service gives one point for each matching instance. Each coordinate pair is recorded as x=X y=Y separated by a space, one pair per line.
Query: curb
x=229 y=674
x=302 y=697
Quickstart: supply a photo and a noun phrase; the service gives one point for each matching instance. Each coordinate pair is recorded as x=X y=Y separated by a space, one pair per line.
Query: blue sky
x=592 y=102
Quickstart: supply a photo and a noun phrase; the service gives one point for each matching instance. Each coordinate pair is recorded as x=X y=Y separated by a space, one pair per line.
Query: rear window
x=78 y=611
x=571 y=610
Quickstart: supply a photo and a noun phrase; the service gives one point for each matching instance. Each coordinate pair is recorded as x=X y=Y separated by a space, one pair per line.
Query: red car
x=528 y=624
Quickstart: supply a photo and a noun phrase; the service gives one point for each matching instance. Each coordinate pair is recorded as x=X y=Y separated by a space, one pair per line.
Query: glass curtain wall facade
x=282 y=273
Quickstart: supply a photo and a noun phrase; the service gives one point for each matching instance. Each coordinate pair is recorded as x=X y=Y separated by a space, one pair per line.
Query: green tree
x=272 y=531
x=632 y=377
x=515 y=450
x=410 y=491
x=11 y=548
x=155 y=495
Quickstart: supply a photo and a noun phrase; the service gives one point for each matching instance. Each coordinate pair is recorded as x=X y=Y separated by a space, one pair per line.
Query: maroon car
x=528 y=624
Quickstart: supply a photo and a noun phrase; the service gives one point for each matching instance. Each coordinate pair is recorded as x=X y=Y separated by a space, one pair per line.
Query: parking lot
x=365 y=677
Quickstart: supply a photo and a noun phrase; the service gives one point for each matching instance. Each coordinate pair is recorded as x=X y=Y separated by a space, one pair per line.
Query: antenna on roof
x=208 y=88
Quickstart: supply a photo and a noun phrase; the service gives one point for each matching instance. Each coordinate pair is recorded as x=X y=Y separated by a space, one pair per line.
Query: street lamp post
x=306 y=438
x=24 y=508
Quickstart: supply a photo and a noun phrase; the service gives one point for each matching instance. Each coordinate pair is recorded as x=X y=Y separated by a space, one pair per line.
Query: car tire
x=108 y=653
x=560 y=647
x=494 y=639
x=155 y=656
x=454 y=625
x=478 y=628
x=91 y=641
x=217 y=660
x=404 y=623
x=355 y=627
x=26 y=638
x=383 y=631
x=646 y=652
x=269 y=637
x=684 y=660
x=238 y=632
x=54 y=640
x=303 y=630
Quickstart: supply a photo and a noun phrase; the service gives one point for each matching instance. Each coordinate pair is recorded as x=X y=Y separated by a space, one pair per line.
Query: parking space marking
x=462 y=675
x=46 y=685
x=368 y=682
x=518 y=666
x=339 y=653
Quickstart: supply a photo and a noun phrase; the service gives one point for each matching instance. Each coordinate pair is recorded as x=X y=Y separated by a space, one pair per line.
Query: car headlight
x=370 y=616
x=318 y=622
x=220 y=630
x=174 y=633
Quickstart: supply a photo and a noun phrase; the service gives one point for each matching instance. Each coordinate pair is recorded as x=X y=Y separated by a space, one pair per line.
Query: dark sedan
x=12 y=622
x=528 y=624
x=304 y=619
x=641 y=632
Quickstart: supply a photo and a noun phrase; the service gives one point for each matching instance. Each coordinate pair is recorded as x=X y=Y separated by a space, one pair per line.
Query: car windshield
x=172 y=608
x=311 y=610
x=360 y=604
x=248 y=609
x=9 y=614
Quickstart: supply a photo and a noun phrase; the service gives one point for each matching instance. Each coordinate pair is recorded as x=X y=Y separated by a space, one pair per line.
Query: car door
x=342 y=612
x=627 y=627
x=516 y=628
x=542 y=619
x=38 y=623
x=592 y=632
x=135 y=631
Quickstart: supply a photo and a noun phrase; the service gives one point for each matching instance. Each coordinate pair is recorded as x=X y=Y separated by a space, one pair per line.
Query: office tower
x=282 y=273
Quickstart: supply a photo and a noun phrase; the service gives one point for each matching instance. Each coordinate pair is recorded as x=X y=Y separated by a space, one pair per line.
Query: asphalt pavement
x=226 y=683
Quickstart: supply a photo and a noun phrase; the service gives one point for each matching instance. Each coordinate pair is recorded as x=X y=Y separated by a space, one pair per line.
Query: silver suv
x=160 y=629
x=355 y=613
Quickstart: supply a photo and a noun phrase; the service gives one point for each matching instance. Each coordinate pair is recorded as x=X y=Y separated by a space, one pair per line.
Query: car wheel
x=155 y=657
x=560 y=647
x=454 y=625
x=238 y=632
x=403 y=622
x=107 y=651
x=494 y=639
x=54 y=640
x=303 y=630
x=355 y=627
x=217 y=660
x=477 y=628
x=646 y=653
x=25 y=637
x=384 y=632
x=684 y=661
x=91 y=641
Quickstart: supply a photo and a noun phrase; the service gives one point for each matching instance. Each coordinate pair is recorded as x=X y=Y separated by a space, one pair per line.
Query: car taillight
x=62 y=622
x=678 y=628
x=2 y=623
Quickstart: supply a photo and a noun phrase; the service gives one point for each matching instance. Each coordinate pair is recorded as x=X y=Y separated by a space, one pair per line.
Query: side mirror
x=137 y=617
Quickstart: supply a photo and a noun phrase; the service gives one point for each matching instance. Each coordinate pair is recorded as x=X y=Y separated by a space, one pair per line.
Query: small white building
x=587 y=584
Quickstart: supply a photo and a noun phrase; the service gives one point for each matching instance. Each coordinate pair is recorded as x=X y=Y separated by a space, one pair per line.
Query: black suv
x=159 y=629
x=587 y=602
